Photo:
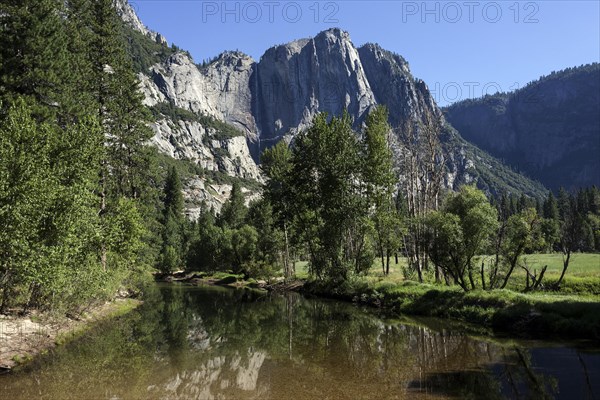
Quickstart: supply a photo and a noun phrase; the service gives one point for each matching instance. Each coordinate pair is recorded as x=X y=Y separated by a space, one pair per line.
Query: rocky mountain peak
x=235 y=59
x=333 y=35
x=130 y=17
x=395 y=63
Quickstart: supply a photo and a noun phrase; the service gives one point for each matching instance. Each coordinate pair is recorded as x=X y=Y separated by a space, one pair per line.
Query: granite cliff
x=274 y=98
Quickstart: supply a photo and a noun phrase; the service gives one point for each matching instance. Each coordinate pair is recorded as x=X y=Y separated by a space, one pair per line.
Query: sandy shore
x=22 y=338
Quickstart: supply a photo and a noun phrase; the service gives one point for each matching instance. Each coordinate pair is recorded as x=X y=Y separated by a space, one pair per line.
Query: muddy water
x=217 y=343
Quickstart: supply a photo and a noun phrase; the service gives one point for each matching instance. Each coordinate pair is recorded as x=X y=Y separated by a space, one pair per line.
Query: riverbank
x=536 y=315
x=24 y=337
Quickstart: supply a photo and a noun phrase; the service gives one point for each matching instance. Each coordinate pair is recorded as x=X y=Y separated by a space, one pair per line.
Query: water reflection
x=215 y=343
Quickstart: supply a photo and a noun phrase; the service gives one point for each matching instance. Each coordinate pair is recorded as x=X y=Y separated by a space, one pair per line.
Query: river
x=220 y=343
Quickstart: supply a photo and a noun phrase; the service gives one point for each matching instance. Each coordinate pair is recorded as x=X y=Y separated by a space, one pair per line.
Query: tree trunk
x=103 y=250
x=483 y=276
x=471 y=280
x=5 y=285
x=286 y=258
x=387 y=266
x=539 y=280
x=513 y=264
x=565 y=266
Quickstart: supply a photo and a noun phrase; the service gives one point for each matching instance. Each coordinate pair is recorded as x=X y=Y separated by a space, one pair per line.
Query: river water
x=219 y=343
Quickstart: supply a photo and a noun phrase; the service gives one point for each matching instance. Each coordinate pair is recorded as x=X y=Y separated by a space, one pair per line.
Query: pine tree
x=79 y=113
x=172 y=252
x=234 y=210
x=550 y=208
x=79 y=24
x=550 y=223
x=119 y=105
x=173 y=195
x=35 y=61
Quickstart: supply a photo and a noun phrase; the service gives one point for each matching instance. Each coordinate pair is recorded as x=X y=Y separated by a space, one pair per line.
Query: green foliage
x=244 y=242
x=174 y=113
x=270 y=241
x=460 y=231
x=74 y=225
x=222 y=178
x=208 y=251
x=174 y=224
x=379 y=180
x=33 y=54
x=521 y=233
x=234 y=210
x=222 y=130
x=123 y=229
x=501 y=310
x=173 y=195
x=276 y=163
x=325 y=181
x=144 y=51
x=47 y=210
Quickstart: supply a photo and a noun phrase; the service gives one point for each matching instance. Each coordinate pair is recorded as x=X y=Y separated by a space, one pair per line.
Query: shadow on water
x=217 y=343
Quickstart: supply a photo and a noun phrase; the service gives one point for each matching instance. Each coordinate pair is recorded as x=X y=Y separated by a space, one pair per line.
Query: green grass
x=572 y=312
x=583 y=274
x=538 y=315
x=580 y=265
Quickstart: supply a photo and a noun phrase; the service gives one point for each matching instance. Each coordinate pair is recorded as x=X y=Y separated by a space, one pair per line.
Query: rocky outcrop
x=221 y=89
x=550 y=129
x=194 y=142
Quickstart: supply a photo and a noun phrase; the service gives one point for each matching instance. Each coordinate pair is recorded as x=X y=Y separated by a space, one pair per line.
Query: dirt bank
x=23 y=337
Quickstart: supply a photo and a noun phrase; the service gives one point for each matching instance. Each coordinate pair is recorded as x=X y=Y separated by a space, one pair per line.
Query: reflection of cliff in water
x=228 y=375
x=213 y=343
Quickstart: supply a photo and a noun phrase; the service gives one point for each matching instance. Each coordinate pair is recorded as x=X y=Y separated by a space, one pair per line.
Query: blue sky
x=461 y=49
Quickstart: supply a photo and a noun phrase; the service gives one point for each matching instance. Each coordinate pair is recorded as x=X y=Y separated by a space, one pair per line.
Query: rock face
x=278 y=96
x=550 y=129
x=297 y=80
x=221 y=90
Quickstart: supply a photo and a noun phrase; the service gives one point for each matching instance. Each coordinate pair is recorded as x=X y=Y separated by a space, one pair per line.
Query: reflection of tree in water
x=175 y=324
x=522 y=381
x=328 y=340
x=213 y=343
x=324 y=342
x=510 y=375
